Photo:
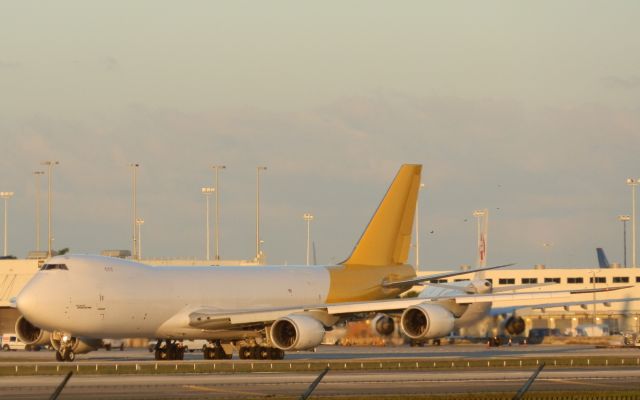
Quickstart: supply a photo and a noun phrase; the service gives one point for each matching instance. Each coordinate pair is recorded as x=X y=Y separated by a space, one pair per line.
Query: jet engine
x=514 y=325
x=426 y=321
x=33 y=336
x=296 y=332
x=77 y=345
x=30 y=334
x=382 y=325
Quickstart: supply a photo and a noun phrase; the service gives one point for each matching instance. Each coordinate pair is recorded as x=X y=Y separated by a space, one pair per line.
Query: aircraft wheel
x=219 y=353
x=68 y=355
x=206 y=354
x=160 y=354
x=171 y=353
x=264 y=353
x=180 y=353
x=59 y=356
x=255 y=353
x=246 y=353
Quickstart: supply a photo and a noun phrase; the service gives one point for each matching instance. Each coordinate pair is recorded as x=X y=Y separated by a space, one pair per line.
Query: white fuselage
x=106 y=297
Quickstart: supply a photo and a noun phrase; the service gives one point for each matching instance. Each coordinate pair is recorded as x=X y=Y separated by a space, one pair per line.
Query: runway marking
x=218 y=390
x=583 y=382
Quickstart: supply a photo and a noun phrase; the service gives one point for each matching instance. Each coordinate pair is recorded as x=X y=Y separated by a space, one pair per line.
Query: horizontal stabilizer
x=416 y=281
x=520 y=287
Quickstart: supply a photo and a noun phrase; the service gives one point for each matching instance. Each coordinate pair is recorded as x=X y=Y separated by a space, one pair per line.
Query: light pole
x=483 y=227
x=624 y=219
x=38 y=174
x=139 y=222
x=217 y=223
x=547 y=248
x=206 y=191
x=308 y=217
x=258 y=251
x=134 y=211
x=593 y=280
x=418 y=229
x=50 y=165
x=6 y=196
x=633 y=183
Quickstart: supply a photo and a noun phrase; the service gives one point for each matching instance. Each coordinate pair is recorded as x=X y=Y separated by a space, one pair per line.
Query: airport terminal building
x=619 y=316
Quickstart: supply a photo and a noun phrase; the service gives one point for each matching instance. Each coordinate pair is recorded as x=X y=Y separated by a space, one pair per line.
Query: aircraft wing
x=566 y=305
x=491 y=297
x=212 y=318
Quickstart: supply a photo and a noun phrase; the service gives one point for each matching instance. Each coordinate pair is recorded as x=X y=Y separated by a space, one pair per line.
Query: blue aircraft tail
x=602 y=258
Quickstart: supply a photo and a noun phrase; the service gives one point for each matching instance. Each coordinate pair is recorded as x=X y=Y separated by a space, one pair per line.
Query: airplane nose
x=26 y=301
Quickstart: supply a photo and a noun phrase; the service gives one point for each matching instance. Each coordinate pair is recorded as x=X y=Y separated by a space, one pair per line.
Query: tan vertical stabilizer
x=387 y=239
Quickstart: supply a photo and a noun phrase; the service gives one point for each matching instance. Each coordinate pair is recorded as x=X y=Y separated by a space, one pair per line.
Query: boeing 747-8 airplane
x=260 y=311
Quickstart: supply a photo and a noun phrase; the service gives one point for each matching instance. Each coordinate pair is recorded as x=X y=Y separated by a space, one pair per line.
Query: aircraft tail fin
x=602 y=258
x=387 y=238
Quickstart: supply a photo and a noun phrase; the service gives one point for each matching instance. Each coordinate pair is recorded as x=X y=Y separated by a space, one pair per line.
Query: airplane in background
x=384 y=324
x=261 y=312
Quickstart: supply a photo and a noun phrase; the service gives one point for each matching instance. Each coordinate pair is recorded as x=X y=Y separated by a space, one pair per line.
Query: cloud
x=617 y=82
x=10 y=65
x=545 y=174
x=110 y=63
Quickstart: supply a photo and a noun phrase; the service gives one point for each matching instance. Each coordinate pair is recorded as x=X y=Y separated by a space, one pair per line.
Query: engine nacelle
x=382 y=325
x=481 y=286
x=296 y=332
x=31 y=334
x=514 y=325
x=426 y=321
x=78 y=345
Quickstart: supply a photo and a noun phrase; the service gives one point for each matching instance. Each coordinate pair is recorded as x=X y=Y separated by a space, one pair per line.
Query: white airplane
x=261 y=311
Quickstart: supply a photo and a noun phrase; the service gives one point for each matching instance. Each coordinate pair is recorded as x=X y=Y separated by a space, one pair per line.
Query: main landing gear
x=169 y=350
x=260 y=353
x=215 y=351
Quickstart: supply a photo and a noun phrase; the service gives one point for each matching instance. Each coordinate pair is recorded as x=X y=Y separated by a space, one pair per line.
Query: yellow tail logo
x=387 y=239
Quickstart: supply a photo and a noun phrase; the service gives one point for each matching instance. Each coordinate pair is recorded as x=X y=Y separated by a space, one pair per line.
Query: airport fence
x=626 y=395
x=246 y=366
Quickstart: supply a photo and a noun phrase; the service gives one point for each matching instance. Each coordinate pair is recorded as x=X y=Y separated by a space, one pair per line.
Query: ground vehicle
x=10 y=341
x=592 y=330
x=113 y=344
x=537 y=335
x=631 y=339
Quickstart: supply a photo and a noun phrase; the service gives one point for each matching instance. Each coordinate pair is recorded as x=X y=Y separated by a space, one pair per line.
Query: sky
x=528 y=109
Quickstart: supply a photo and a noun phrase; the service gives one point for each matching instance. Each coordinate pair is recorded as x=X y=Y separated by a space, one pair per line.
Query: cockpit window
x=55 y=266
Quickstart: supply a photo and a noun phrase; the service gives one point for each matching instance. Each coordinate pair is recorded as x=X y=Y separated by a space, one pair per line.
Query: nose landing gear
x=65 y=354
x=64 y=351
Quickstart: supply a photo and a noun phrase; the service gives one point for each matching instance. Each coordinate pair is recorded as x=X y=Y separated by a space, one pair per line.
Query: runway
x=227 y=383
x=261 y=385
x=445 y=352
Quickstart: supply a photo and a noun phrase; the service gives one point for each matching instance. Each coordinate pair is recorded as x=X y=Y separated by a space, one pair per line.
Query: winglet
x=387 y=239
